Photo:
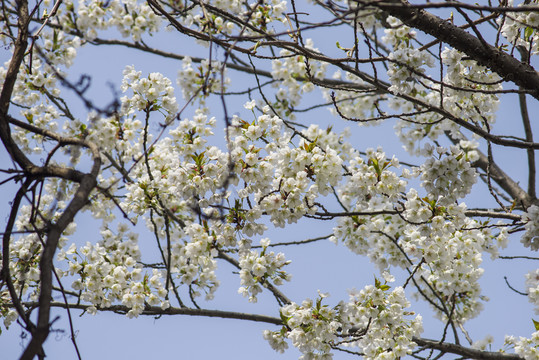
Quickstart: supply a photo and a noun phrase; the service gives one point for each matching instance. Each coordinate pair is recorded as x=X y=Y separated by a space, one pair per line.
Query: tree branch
x=19 y=50
x=524 y=53
x=464 y=351
x=156 y=311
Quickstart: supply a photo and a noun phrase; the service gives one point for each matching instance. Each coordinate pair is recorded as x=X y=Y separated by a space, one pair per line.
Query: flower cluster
x=122 y=133
x=182 y=168
x=36 y=90
x=9 y=315
x=130 y=17
x=380 y=315
x=451 y=245
x=519 y=28
x=152 y=93
x=371 y=181
x=211 y=23
x=469 y=95
x=199 y=82
x=527 y=348
x=311 y=326
x=448 y=175
x=291 y=71
x=373 y=320
x=532 y=286
x=109 y=271
x=261 y=17
x=25 y=250
x=531 y=236
x=433 y=229
x=287 y=180
x=371 y=186
x=406 y=62
x=259 y=268
x=193 y=260
x=182 y=176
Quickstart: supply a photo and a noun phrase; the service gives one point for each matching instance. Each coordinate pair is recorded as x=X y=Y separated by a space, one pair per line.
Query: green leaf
x=318 y=303
x=528 y=32
x=536 y=324
x=427 y=128
x=284 y=318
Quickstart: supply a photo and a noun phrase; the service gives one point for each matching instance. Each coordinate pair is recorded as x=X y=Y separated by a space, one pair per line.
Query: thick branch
x=54 y=232
x=46 y=265
x=5 y=272
x=505 y=181
x=470 y=213
x=524 y=53
x=500 y=177
x=156 y=310
x=21 y=44
x=464 y=351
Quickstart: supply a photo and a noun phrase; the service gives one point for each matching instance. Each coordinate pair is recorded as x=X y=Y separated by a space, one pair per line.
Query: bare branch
x=464 y=351
x=157 y=311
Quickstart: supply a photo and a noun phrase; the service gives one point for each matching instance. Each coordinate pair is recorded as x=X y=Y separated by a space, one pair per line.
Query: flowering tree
x=437 y=70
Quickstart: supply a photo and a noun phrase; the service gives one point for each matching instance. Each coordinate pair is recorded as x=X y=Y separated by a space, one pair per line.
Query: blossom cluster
x=285 y=179
x=152 y=93
x=36 y=91
x=449 y=175
x=312 y=328
x=451 y=246
x=406 y=62
x=373 y=320
x=264 y=16
x=259 y=268
x=291 y=71
x=182 y=167
x=130 y=17
x=531 y=236
x=209 y=77
x=182 y=176
x=469 y=93
x=520 y=28
x=122 y=134
x=109 y=271
x=527 y=348
x=193 y=260
x=25 y=250
x=433 y=228
x=532 y=286
x=261 y=17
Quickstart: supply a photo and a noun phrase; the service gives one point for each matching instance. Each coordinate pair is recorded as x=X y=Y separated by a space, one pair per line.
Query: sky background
x=317 y=266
